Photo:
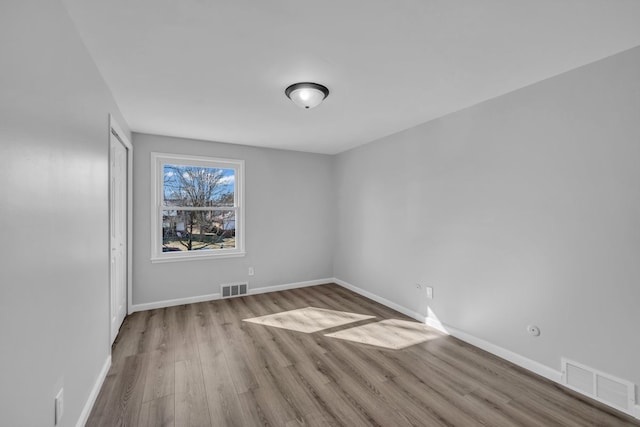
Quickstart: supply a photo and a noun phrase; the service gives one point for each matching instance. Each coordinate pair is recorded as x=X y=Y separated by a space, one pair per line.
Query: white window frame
x=158 y=161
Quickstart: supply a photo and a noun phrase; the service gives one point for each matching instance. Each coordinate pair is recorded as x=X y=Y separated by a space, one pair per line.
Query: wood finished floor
x=201 y=365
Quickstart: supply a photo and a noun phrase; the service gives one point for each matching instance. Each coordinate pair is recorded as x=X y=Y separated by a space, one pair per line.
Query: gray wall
x=54 y=294
x=523 y=209
x=289 y=220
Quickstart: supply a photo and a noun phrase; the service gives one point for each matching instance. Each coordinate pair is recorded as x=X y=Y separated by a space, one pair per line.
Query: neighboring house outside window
x=197 y=207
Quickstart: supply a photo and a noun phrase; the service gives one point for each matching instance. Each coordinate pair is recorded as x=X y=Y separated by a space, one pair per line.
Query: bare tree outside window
x=198 y=208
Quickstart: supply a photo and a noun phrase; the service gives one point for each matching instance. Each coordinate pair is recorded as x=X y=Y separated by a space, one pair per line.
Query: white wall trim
x=172 y=302
x=436 y=324
x=114 y=126
x=397 y=307
x=287 y=286
x=515 y=358
x=158 y=160
x=212 y=297
x=512 y=357
x=88 y=406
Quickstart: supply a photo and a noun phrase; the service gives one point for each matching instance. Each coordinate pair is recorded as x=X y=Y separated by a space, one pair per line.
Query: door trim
x=116 y=130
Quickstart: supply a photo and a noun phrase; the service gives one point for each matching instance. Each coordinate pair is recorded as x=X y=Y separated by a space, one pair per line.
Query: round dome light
x=307 y=95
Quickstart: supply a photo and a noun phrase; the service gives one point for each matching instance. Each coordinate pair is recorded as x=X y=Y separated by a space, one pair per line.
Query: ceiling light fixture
x=307 y=95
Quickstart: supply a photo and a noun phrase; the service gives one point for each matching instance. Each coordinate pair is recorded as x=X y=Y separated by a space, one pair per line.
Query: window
x=197 y=207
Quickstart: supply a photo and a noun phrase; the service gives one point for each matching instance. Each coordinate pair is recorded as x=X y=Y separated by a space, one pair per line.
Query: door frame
x=116 y=130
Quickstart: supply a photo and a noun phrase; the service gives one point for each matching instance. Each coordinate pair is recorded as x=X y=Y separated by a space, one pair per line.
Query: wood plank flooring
x=201 y=365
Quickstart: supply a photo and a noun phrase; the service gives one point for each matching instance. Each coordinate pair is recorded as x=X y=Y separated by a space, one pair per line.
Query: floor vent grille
x=231 y=290
x=612 y=391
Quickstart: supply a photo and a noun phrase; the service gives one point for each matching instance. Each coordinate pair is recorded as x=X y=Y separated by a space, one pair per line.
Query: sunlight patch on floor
x=309 y=319
x=392 y=334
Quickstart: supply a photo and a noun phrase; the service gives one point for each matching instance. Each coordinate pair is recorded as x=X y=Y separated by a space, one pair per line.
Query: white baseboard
x=211 y=297
x=436 y=324
x=397 y=307
x=88 y=406
x=294 y=285
x=515 y=358
x=172 y=302
x=512 y=357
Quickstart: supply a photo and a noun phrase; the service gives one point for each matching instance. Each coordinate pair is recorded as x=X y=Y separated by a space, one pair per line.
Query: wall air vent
x=612 y=391
x=234 y=289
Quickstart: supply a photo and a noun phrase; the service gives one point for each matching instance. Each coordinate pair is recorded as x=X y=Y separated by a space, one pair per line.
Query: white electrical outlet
x=59 y=406
x=429 y=292
x=251 y=272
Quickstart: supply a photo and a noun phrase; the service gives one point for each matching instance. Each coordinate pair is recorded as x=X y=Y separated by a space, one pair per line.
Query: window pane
x=198 y=230
x=198 y=186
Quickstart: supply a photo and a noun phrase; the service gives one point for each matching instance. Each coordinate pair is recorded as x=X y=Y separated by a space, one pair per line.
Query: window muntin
x=197 y=208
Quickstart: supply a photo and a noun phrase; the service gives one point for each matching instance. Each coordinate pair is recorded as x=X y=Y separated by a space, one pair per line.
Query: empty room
x=339 y=213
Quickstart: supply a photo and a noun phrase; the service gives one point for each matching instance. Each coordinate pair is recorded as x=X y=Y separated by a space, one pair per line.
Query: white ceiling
x=217 y=69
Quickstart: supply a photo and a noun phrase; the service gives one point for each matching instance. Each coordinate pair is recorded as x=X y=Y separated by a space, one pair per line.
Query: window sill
x=194 y=257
